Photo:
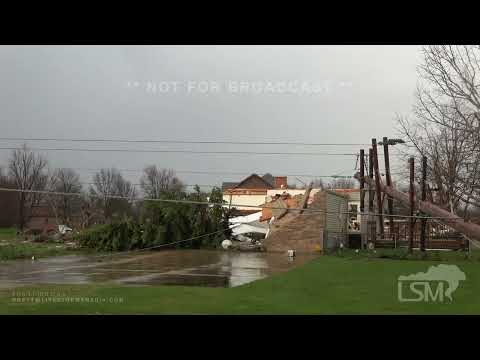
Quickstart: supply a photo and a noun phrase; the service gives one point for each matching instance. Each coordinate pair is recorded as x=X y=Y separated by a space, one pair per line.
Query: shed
x=336 y=220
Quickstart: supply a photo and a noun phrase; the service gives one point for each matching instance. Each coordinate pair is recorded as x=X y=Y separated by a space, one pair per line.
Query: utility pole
x=412 y=204
x=362 y=193
x=362 y=180
x=371 y=219
x=424 y=198
x=378 y=189
x=389 y=183
x=471 y=230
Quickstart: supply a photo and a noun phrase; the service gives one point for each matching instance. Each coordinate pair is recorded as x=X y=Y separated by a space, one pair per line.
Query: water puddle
x=169 y=267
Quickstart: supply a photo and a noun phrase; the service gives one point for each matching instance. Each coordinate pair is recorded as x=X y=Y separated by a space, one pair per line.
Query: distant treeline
x=111 y=213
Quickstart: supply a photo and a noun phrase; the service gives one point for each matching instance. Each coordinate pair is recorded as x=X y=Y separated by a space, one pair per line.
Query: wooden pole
x=371 y=194
x=370 y=175
x=362 y=180
x=471 y=230
x=307 y=195
x=412 y=204
x=424 y=198
x=388 y=179
x=378 y=191
x=362 y=198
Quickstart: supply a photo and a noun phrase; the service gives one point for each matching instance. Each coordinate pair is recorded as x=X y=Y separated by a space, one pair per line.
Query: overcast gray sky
x=106 y=92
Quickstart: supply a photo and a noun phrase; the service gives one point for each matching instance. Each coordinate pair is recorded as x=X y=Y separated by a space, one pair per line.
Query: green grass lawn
x=327 y=285
x=8 y=234
x=13 y=247
x=18 y=250
x=402 y=254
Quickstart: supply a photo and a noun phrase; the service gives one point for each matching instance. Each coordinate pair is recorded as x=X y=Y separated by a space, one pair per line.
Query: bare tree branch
x=27 y=170
x=107 y=183
x=156 y=181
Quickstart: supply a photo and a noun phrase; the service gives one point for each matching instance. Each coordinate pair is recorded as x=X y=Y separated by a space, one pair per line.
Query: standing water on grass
x=169 y=267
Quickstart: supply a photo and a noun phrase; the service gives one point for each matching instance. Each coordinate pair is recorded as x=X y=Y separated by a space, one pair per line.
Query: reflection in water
x=168 y=267
x=247 y=267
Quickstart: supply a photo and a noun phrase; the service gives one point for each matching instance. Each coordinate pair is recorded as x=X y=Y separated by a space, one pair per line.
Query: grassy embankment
x=335 y=284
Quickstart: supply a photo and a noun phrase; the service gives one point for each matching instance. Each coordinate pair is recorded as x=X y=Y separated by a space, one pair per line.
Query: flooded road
x=170 y=267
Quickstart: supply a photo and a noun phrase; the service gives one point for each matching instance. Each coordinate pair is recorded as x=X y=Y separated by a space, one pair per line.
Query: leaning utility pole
x=424 y=198
x=362 y=180
x=412 y=204
x=371 y=219
x=471 y=230
x=377 y=188
x=389 y=183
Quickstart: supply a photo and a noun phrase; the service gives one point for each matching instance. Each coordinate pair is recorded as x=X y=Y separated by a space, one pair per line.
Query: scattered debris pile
x=283 y=224
x=61 y=234
x=279 y=205
x=300 y=231
x=247 y=233
x=246 y=246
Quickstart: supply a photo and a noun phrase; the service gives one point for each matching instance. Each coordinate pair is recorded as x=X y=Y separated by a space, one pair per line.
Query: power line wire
x=192 y=202
x=193 y=151
x=184 y=151
x=148 y=248
x=137 y=184
x=169 y=244
x=181 y=141
x=336 y=175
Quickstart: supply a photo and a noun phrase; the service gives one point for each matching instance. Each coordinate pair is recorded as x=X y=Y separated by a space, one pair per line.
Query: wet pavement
x=169 y=267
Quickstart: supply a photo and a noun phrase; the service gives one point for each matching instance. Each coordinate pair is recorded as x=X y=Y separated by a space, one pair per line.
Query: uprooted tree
x=176 y=219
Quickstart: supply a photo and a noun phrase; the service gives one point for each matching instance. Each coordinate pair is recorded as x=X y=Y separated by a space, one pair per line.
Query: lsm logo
x=438 y=283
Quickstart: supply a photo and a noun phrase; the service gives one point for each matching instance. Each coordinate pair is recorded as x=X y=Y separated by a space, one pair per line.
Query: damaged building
x=251 y=192
x=322 y=226
x=331 y=217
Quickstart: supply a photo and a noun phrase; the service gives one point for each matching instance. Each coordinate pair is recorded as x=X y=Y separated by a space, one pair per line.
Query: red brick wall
x=280 y=182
